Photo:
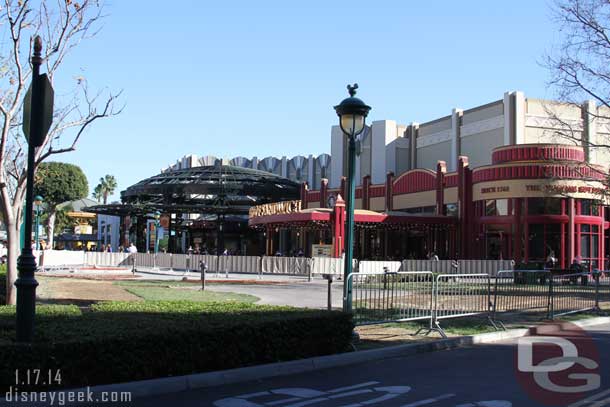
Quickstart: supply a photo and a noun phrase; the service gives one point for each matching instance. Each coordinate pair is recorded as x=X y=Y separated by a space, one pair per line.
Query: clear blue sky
x=260 y=78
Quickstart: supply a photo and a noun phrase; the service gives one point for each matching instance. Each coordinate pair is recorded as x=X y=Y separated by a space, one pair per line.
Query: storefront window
x=589 y=207
x=496 y=207
x=544 y=239
x=536 y=242
x=421 y=209
x=589 y=244
x=544 y=206
x=451 y=209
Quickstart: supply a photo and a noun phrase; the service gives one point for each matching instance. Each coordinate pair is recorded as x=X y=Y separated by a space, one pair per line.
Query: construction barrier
x=240 y=264
x=367 y=266
x=327 y=265
x=300 y=266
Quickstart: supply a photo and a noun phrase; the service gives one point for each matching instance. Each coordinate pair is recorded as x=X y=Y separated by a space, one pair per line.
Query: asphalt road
x=482 y=375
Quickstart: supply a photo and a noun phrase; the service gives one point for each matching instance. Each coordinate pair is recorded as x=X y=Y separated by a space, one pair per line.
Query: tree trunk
x=12 y=232
x=51 y=229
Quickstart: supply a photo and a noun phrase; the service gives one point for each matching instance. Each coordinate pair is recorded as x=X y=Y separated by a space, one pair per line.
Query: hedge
x=118 y=342
x=2 y=284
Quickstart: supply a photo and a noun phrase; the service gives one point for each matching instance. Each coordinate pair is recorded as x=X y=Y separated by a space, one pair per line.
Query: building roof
x=78 y=205
x=214 y=189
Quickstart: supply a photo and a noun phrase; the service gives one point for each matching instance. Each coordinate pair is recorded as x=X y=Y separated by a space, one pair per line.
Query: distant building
x=83 y=235
x=496 y=181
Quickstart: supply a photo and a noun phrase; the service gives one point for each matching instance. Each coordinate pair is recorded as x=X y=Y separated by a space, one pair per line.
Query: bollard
x=385 y=278
x=203 y=267
x=596 y=276
x=329 y=277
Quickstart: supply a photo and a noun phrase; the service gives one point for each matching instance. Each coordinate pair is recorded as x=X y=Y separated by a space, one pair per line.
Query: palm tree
x=105 y=188
x=97 y=193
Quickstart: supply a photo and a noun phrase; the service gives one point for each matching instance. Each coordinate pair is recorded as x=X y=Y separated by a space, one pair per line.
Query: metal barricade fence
x=571 y=293
x=521 y=290
x=460 y=295
x=387 y=297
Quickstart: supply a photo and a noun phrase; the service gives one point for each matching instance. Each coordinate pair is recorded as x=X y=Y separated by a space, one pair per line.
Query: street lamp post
x=157 y=216
x=37 y=205
x=37 y=119
x=352 y=114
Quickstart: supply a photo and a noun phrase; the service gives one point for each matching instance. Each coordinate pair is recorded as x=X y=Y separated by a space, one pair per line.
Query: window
x=544 y=239
x=421 y=209
x=497 y=207
x=589 y=244
x=589 y=207
x=451 y=209
x=544 y=206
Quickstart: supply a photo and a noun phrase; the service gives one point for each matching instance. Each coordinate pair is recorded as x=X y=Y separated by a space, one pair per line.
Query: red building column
x=441 y=170
x=465 y=206
x=338 y=227
x=304 y=189
x=602 y=238
x=389 y=191
x=269 y=242
x=571 y=231
x=323 y=192
x=517 y=230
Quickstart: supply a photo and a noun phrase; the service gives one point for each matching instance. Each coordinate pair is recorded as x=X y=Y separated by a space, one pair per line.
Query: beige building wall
x=551 y=122
x=478 y=147
x=433 y=142
x=428 y=156
x=481 y=131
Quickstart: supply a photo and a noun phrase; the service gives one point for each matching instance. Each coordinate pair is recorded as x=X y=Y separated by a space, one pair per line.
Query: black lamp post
x=352 y=114
x=37 y=206
x=37 y=119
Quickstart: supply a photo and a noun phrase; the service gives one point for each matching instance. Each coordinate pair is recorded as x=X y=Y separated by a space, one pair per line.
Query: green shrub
x=126 y=341
x=2 y=284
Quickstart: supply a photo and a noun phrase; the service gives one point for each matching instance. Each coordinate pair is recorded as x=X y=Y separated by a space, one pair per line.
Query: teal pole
x=156 y=236
x=37 y=227
x=349 y=224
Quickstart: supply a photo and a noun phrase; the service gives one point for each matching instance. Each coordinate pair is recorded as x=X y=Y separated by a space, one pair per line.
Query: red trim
x=537 y=152
x=290 y=217
x=532 y=171
x=377 y=191
x=414 y=181
x=591 y=220
x=313 y=196
x=451 y=180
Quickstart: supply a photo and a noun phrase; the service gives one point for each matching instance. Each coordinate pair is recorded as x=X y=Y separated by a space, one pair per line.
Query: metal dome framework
x=215 y=189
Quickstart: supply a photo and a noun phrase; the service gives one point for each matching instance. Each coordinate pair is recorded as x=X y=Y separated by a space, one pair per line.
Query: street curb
x=156 y=387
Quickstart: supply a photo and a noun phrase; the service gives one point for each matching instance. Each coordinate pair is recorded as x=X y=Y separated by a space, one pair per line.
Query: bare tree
x=63 y=25
x=580 y=67
x=580 y=71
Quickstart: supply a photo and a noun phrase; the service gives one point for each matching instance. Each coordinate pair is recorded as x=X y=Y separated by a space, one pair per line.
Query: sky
x=260 y=78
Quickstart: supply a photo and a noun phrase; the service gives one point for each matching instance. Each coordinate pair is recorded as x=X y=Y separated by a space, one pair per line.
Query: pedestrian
x=132 y=248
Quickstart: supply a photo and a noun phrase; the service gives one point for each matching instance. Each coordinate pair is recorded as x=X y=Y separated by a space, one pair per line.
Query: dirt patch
x=81 y=290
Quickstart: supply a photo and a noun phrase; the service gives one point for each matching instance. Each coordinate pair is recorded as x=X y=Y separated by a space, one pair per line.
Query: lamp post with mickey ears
x=352 y=114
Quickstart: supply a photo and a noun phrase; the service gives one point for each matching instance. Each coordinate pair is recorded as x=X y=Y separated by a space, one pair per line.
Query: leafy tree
x=105 y=188
x=63 y=26
x=59 y=182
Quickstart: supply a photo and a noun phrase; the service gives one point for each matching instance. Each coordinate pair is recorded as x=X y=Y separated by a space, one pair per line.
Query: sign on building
x=321 y=250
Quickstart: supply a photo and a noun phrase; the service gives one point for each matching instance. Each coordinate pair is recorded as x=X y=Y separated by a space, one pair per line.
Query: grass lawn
x=180 y=291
